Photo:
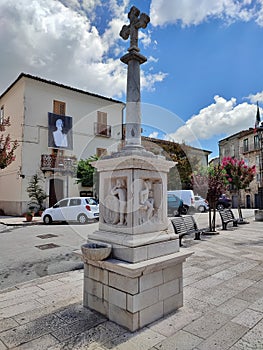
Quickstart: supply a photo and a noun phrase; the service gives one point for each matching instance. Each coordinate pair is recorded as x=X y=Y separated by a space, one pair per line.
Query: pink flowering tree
x=238 y=175
x=209 y=182
x=7 y=147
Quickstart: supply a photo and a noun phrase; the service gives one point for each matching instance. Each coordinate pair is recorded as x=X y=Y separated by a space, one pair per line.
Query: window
x=59 y=107
x=256 y=142
x=74 y=202
x=101 y=127
x=245 y=145
x=2 y=115
x=232 y=150
x=102 y=118
x=62 y=204
x=257 y=161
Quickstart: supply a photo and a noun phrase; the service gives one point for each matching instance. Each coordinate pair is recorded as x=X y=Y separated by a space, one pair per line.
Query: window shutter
x=59 y=107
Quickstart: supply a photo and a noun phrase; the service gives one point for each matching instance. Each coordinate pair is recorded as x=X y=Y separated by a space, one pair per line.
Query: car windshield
x=91 y=201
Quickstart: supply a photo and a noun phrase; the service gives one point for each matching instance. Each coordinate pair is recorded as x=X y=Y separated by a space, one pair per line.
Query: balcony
x=56 y=163
x=250 y=148
x=102 y=130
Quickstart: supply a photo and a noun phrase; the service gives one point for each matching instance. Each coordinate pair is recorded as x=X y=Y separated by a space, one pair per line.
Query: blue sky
x=203 y=76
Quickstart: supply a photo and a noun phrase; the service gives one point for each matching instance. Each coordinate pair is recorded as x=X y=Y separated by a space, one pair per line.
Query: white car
x=201 y=204
x=81 y=209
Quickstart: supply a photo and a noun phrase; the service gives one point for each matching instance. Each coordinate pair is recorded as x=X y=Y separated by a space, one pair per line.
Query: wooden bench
x=227 y=216
x=185 y=225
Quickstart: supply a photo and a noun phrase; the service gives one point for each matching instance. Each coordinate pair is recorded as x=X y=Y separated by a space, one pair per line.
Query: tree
x=209 y=182
x=7 y=147
x=36 y=192
x=85 y=171
x=238 y=176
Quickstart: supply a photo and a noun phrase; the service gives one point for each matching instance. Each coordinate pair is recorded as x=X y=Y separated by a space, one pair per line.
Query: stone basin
x=95 y=251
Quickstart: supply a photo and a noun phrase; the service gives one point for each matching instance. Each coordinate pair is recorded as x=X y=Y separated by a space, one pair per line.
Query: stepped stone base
x=134 y=295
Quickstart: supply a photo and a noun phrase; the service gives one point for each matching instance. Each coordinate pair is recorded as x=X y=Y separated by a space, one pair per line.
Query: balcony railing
x=56 y=163
x=102 y=130
x=250 y=148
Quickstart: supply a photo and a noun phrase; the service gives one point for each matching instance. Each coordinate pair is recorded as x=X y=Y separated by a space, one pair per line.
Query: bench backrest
x=185 y=224
x=226 y=214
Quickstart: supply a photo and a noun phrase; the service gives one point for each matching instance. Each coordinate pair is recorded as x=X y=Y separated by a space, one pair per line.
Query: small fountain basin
x=95 y=251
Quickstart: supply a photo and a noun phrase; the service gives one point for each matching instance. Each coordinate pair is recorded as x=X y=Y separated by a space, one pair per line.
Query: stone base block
x=140 y=247
x=134 y=295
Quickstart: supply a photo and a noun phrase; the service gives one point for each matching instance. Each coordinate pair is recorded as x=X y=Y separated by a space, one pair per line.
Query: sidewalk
x=223 y=305
x=18 y=220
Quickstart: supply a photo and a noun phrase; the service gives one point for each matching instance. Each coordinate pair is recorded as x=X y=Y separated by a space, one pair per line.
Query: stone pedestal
x=133 y=207
x=134 y=295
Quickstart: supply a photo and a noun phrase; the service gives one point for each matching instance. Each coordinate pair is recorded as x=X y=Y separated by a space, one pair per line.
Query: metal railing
x=102 y=130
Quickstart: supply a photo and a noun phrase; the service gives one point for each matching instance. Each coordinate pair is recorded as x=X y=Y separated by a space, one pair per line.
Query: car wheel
x=185 y=209
x=201 y=209
x=82 y=219
x=220 y=207
x=47 y=219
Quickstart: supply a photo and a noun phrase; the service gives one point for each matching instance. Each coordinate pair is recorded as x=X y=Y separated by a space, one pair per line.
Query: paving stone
x=41 y=343
x=217 y=295
x=205 y=326
x=170 y=324
x=179 y=341
x=31 y=330
x=238 y=283
x=7 y=323
x=77 y=327
x=143 y=340
x=75 y=313
x=252 y=340
x=257 y=305
x=2 y=346
x=250 y=294
x=28 y=316
x=92 y=338
x=207 y=282
x=233 y=306
x=248 y=318
x=225 y=274
x=224 y=338
x=18 y=308
x=17 y=293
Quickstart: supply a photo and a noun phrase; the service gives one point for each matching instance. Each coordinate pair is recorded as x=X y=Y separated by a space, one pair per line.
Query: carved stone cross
x=131 y=30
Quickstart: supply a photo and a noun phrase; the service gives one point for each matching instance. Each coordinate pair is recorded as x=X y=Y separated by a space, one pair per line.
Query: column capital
x=133 y=55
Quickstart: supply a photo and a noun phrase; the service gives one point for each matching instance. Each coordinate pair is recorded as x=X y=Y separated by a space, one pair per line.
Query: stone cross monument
x=142 y=281
x=133 y=59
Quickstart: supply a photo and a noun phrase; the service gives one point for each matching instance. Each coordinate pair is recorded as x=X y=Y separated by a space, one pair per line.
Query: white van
x=187 y=196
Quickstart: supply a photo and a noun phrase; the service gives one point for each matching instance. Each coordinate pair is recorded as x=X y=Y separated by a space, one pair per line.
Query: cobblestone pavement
x=223 y=305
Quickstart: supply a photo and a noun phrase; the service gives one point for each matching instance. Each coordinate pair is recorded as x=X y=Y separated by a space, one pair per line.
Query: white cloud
x=61 y=41
x=224 y=117
x=154 y=135
x=189 y=12
x=258 y=97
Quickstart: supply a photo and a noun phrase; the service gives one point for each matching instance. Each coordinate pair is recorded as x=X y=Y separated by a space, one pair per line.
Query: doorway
x=55 y=191
x=248 y=201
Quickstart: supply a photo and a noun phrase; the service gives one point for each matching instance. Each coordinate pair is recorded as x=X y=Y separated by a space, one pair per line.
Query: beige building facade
x=244 y=145
x=55 y=125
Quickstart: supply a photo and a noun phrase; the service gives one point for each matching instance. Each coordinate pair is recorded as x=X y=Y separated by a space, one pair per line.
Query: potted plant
x=29 y=215
x=36 y=193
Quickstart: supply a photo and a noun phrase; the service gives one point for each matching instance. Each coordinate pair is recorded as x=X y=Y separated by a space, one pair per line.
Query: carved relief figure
x=147 y=201
x=116 y=204
x=120 y=191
